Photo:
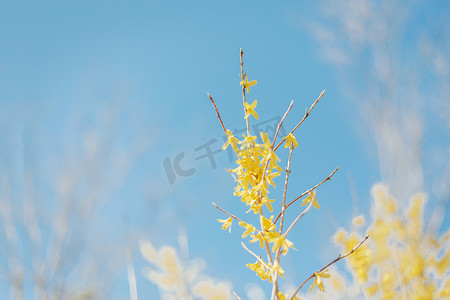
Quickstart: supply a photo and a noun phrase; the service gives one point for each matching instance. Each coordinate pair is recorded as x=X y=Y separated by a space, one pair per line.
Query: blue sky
x=98 y=95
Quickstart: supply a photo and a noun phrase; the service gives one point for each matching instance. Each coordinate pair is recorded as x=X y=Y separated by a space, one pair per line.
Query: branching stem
x=231 y=215
x=329 y=264
x=307 y=112
x=243 y=90
x=307 y=191
x=280 y=232
x=281 y=123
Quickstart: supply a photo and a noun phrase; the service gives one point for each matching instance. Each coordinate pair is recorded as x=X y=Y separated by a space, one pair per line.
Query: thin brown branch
x=307 y=112
x=283 y=207
x=329 y=264
x=256 y=256
x=281 y=123
x=307 y=191
x=217 y=112
x=231 y=215
x=299 y=217
x=243 y=90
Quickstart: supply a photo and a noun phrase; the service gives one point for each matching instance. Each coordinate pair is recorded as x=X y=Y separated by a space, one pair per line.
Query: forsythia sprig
x=257 y=166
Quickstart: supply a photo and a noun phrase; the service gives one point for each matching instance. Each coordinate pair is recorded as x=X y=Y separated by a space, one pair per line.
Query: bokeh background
x=99 y=98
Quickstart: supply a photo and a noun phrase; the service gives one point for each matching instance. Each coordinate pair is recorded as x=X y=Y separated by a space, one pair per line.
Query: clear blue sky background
x=69 y=69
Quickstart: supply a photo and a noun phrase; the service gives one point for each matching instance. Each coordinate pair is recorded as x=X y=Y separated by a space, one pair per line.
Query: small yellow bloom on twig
x=318 y=280
x=248 y=229
x=290 y=140
x=250 y=109
x=260 y=270
x=247 y=84
x=226 y=223
x=231 y=141
x=281 y=241
x=259 y=237
x=311 y=197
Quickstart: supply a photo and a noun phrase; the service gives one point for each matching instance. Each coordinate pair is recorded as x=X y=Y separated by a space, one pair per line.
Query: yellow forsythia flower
x=226 y=223
x=282 y=241
x=318 y=280
x=290 y=140
x=248 y=229
x=231 y=141
x=311 y=197
x=247 y=84
x=250 y=109
x=260 y=270
x=282 y=296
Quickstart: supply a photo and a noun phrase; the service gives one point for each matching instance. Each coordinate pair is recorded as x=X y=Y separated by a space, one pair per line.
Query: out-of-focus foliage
x=181 y=281
x=401 y=260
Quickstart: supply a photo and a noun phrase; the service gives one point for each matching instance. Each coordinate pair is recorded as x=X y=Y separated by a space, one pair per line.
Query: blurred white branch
x=47 y=213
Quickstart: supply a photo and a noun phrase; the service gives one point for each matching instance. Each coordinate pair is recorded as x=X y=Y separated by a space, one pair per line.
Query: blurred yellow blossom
x=209 y=290
x=401 y=258
x=358 y=220
x=181 y=280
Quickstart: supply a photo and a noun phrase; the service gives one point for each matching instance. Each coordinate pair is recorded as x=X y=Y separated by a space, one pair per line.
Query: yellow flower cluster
x=401 y=260
x=257 y=167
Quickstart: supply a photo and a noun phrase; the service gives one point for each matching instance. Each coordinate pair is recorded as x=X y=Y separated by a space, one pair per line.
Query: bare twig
x=283 y=205
x=256 y=256
x=217 y=112
x=329 y=264
x=281 y=123
x=243 y=90
x=307 y=112
x=299 y=217
x=307 y=191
